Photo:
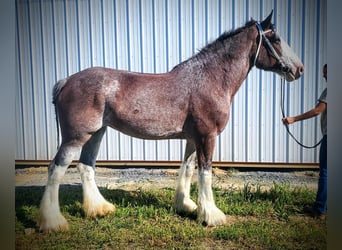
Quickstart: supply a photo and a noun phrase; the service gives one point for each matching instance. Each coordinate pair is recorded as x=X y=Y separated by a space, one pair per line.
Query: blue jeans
x=321 y=196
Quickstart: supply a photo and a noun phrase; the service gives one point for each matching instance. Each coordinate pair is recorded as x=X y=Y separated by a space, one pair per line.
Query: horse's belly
x=159 y=127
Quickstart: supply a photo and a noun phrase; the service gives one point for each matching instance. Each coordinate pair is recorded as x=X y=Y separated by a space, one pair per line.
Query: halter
x=284 y=68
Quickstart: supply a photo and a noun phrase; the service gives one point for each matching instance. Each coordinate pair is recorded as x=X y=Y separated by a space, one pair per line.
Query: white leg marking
x=183 y=202
x=207 y=210
x=93 y=202
x=50 y=217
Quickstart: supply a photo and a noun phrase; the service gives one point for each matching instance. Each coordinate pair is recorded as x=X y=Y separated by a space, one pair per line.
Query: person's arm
x=320 y=107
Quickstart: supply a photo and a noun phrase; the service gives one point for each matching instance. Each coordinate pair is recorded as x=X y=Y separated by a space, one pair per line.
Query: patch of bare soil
x=142 y=178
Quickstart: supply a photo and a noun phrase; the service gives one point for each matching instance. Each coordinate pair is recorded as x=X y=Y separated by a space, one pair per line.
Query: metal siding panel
x=71 y=31
x=38 y=82
x=61 y=40
x=109 y=41
x=20 y=144
x=159 y=36
x=309 y=98
x=49 y=77
x=186 y=29
x=295 y=106
x=27 y=85
x=84 y=33
x=199 y=19
x=280 y=135
x=173 y=34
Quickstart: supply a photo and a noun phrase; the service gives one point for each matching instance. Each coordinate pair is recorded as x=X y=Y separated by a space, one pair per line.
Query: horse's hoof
x=185 y=206
x=211 y=216
x=99 y=209
x=55 y=224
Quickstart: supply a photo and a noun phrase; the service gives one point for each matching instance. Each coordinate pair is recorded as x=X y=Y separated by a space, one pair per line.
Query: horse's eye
x=275 y=37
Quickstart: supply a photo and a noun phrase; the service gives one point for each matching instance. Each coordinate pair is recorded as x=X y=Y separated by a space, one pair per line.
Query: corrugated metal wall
x=57 y=38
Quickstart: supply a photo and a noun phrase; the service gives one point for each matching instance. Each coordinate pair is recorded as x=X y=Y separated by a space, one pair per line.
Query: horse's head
x=274 y=54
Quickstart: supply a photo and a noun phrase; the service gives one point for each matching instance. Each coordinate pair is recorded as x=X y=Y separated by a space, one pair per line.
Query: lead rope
x=282 y=91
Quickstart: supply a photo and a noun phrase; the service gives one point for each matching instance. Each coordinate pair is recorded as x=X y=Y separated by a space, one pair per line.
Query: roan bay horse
x=190 y=102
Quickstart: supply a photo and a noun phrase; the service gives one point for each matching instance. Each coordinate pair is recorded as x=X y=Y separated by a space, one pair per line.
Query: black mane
x=219 y=43
x=230 y=33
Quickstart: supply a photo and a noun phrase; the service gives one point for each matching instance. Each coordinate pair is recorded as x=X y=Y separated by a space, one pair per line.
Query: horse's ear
x=266 y=24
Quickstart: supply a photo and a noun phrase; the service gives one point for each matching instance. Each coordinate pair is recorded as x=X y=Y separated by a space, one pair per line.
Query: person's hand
x=288 y=120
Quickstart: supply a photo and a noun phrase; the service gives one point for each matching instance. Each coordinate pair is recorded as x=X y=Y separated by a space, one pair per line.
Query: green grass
x=145 y=220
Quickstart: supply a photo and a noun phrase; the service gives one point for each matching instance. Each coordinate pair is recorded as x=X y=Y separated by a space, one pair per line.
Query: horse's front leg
x=183 y=202
x=207 y=212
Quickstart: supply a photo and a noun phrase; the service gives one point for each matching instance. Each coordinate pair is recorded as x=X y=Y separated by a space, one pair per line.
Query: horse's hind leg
x=93 y=202
x=183 y=202
x=50 y=217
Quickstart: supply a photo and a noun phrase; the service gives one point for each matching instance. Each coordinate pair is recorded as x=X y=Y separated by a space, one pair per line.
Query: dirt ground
x=143 y=178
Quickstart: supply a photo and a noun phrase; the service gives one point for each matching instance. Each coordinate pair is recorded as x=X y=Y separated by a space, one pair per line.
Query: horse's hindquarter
x=150 y=106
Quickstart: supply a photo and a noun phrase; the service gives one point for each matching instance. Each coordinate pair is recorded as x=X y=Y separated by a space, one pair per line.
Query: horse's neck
x=235 y=69
x=228 y=69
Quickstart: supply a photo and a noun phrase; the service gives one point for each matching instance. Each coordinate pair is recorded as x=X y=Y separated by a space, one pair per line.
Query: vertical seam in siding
x=66 y=39
x=78 y=36
x=22 y=130
x=192 y=27
x=274 y=79
x=90 y=35
x=180 y=40
x=247 y=132
x=167 y=35
x=54 y=40
x=154 y=62
x=116 y=65
x=179 y=32
x=115 y=35
x=260 y=97
x=232 y=104
x=44 y=82
x=318 y=70
x=128 y=37
x=103 y=36
x=289 y=30
x=303 y=77
x=32 y=82
x=167 y=60
x=141 y=62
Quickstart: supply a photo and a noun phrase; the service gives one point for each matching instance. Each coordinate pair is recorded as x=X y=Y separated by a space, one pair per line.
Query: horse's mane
x=230 y=33
x=218 y=43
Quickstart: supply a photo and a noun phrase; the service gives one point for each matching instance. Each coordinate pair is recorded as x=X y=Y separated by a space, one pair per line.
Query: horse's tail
x=57 y=88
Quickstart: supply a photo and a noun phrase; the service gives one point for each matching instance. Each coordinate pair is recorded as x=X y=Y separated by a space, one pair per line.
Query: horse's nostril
x=301 y=70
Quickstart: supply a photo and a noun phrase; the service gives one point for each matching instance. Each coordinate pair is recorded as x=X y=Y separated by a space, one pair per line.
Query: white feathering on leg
x=207 y=211
x=183 y=202
x=93 y=202
x=50 y=217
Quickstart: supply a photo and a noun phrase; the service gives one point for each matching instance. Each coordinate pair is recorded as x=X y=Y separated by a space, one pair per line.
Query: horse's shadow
x=27 y=201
